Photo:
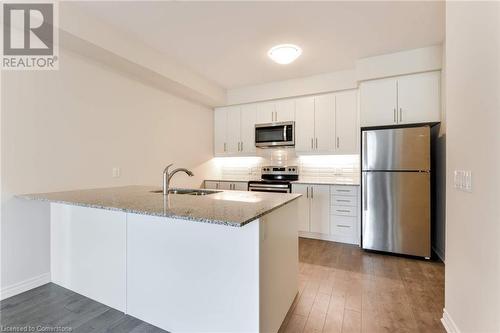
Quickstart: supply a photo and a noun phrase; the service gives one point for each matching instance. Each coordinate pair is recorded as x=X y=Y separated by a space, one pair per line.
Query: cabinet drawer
x=343 y=225
x=345 y=190
x=342 y=200
x=344 y=211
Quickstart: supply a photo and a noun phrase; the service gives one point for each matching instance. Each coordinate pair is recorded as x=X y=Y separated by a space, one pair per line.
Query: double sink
x=188 y=191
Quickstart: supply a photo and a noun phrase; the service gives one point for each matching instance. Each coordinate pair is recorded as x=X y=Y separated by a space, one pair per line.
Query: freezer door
x=396 y=149
x=396 y=212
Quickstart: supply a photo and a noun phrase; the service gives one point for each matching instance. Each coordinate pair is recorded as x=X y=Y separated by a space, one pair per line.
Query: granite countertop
x=231 y=208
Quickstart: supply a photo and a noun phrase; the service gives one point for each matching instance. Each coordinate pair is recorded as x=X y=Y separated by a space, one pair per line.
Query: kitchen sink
x=187 y=191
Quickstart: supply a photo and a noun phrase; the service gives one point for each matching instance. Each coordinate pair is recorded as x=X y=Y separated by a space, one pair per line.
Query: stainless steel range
x=275 y=179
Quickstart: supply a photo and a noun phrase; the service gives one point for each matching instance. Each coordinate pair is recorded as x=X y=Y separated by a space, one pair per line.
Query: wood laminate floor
x=51 y=306
x=341 y=289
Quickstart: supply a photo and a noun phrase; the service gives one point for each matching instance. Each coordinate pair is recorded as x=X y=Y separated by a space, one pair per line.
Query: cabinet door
x=320 y=208
x=241 y=186
x=324 y=123
x=265 y=112
x=378 y=102
x=285 y=110
x=304 y=201
x=248 y=120
x=233 y=130
x=220 y=134
x=419 y=98
x=304 y=124
x=211 y=185
x=225 y=186
x=346 y=123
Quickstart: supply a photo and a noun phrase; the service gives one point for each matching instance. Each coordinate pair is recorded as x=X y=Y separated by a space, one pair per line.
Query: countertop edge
x=138 y=212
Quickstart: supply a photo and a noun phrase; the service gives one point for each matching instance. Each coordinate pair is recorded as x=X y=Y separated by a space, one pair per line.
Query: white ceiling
x=227 y=42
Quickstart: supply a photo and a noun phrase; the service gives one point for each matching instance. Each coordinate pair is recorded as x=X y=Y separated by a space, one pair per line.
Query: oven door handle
x=269 y=189
x=269 y=186
x=284 y=133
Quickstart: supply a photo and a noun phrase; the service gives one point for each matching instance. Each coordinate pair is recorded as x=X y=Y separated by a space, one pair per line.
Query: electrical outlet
x=116 y=172
x=462 y=180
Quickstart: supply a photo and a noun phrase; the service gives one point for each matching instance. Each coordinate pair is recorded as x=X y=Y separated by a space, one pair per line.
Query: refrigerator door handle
x=365 y=151
x=365 y=196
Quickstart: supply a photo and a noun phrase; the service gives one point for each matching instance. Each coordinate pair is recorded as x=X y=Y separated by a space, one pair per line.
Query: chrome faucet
x=167 y=176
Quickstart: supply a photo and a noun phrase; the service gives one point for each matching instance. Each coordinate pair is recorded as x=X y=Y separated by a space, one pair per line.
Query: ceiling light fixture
x=284 y=54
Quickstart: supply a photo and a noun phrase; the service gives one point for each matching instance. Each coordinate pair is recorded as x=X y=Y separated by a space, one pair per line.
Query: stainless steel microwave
x=275 y=134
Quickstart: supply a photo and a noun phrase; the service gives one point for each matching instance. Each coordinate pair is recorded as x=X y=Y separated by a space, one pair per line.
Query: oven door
x=265 y=187
x=275 y=134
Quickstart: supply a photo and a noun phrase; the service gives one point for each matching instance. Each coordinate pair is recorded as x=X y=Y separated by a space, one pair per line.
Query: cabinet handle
x=395 y=115
x=400 y=114
x=343 y=210
x=224 y=147
x=307 y=194
x=316 y=143
x=217 y=186
x=312 y=143
x=342 y=200
x=343 y=226
x=241 y=145
x=312 y=192
x=338 y=142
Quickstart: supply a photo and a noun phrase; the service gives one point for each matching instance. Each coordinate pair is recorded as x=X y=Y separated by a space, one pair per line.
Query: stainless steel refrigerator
x=396 y=190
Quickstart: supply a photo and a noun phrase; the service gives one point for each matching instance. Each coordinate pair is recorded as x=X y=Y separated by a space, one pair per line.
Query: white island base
x=180 y=275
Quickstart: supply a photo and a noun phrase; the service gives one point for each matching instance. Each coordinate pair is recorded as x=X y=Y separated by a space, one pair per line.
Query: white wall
x=392 y=64
x=308 y=85
x=399 y=63
x=67 y=129
x=472 y=276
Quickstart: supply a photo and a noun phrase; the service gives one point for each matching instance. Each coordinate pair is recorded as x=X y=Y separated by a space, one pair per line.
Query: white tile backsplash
x=342 y=168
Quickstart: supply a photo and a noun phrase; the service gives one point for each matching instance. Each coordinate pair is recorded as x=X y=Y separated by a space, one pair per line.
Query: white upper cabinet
x=378 y=102
x=346 y=122
x=266 y=112
x=220 y=132
x=248 y=121
x=324 y=123
x=408 y=99
x=234 y=130
x=419 y=98
x=327 y=124
x=285 y=110
x=277 y=111
x=304 y=124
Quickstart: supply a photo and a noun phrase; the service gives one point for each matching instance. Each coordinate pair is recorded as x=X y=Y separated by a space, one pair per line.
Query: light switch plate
x=462 y=180
x=116 y=172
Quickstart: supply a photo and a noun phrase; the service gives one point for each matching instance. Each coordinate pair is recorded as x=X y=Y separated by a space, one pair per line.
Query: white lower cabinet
x=329 y=212
x=320 y=202
x=226 y=185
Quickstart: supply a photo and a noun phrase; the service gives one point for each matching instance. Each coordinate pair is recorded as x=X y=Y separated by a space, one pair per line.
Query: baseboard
x=331 y=238
x=23 y=286
x=448 y=323
x=439 y=253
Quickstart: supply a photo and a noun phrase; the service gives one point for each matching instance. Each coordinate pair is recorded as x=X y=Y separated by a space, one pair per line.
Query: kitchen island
x=221 y=262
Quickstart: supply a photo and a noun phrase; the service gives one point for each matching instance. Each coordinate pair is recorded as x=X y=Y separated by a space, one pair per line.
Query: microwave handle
x=284 y=133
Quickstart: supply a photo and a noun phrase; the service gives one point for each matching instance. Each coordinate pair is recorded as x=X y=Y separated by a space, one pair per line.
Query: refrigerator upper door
x=406 y=149
x=396 y=212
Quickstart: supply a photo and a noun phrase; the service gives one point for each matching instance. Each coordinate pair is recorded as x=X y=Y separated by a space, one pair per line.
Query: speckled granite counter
x=232 y=208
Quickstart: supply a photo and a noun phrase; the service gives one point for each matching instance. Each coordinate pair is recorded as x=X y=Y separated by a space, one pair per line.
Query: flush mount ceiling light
x=285 y=53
